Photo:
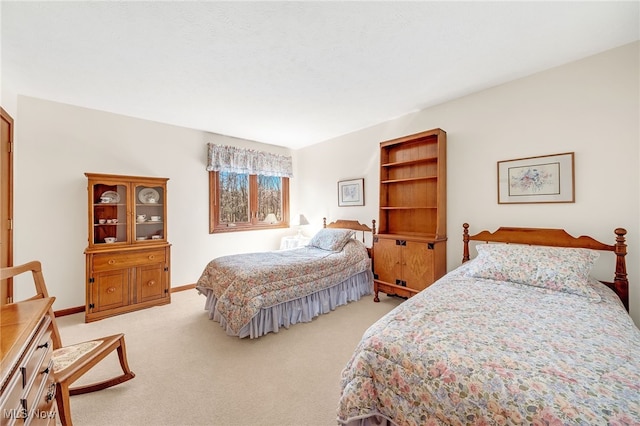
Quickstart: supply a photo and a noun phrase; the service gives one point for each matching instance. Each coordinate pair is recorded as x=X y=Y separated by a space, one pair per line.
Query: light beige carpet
x=189 y=372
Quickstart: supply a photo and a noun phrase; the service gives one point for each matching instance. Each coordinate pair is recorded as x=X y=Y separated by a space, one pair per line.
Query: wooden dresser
x=27 y=395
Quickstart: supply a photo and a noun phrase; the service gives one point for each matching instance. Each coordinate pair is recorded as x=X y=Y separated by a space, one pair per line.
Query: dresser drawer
x=32 y=373
x=37 y=366
x=10 y=400
x=107 y=261
x=46 y=408
x=39 y=353
x=41 y=397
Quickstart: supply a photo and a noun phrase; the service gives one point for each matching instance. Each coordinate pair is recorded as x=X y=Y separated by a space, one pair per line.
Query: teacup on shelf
x=110 y=240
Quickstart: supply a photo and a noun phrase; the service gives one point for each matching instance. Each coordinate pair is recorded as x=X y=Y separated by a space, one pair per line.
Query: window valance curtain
x=223 y=158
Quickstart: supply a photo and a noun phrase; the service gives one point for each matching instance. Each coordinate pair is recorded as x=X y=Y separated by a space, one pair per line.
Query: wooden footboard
x=559 y=238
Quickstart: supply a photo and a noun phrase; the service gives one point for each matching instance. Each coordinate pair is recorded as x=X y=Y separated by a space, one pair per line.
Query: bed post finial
x=324 y=222
x=465 y=240
x=620 y=281
x=373 y=227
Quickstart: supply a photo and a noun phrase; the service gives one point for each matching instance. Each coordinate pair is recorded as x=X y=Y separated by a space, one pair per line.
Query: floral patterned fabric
x=64 y=357
x=555 y=268
x=233 y=159
x=469 y=351
x=331 y=239
x=245 y=283
x=304 y=309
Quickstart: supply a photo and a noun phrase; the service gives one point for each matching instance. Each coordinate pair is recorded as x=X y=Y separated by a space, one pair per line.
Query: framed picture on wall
x=351 y=192
x=544 y=179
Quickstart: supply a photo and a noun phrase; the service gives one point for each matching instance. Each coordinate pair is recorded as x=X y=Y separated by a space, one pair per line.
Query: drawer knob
x=151 y=283
x=112 y=262
x=151 y=257
x=111 y=289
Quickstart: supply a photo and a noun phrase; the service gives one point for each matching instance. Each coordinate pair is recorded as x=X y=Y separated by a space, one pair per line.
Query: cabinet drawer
x=107 y=261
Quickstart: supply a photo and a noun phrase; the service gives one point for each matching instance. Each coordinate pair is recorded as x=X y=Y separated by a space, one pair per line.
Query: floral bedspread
x=246 y=283
x=469 y=351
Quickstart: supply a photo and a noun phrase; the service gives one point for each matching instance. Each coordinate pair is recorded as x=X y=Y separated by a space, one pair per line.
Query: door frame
x=6 y=200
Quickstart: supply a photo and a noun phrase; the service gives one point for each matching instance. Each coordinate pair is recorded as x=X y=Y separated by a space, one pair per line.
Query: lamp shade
x=302 y=220
x=271 y=218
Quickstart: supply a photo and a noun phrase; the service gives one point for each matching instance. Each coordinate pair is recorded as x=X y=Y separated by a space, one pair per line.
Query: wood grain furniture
x=409 y=251
x=28 y=389
x=520 y=334
x=252 y=294
x=354 y=225
x=68 y=363
x=351 y=224
x=559 y=238
x=128 y=256
x=7 y=126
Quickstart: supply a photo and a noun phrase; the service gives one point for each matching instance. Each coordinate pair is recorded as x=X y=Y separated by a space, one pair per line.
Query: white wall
x=56 y=144
x=8 y=96
x=590 y=107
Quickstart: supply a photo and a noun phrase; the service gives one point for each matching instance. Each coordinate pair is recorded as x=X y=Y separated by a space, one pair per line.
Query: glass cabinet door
x=149 y=213
x=109 y=213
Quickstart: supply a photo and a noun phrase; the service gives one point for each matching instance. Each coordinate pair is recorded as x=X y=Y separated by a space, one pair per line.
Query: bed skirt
x=374 y=420
x=294 y=311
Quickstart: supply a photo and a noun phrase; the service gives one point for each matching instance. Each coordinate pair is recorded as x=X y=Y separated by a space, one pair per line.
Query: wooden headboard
x=350 y=224
x=559 y=238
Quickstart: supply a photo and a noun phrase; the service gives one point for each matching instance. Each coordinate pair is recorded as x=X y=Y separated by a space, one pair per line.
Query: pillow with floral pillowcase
x=332 y=239
x=560 y=269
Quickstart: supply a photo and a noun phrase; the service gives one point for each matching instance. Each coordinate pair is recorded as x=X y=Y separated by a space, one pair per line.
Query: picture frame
x=543 y=179
x=351 y=193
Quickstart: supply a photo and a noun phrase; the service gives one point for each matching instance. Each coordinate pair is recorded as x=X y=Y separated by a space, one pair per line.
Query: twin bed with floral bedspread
x=254 y=294
x=522 y=334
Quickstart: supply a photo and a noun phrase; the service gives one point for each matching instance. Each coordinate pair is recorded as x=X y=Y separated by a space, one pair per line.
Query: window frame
x=214 y=202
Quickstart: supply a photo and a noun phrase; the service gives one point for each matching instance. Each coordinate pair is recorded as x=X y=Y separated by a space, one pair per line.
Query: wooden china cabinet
x=409 y=251
x=128 y=256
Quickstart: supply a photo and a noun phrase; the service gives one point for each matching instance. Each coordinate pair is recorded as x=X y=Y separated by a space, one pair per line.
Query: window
x=242 y=202
x=248 y=189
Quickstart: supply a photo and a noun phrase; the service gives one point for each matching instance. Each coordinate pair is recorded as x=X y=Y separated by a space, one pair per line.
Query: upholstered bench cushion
x=64 y=357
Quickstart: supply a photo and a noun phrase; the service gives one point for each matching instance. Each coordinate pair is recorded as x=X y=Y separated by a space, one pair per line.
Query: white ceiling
x=291 y=73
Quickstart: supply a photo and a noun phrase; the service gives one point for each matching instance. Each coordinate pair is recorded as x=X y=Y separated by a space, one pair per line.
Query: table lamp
x=271 y=219
x=302 y=220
